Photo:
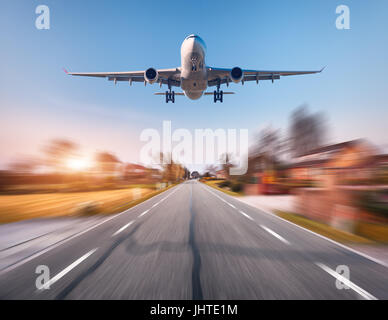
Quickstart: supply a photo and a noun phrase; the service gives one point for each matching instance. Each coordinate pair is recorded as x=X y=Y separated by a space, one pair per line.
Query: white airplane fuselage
x=193 y=69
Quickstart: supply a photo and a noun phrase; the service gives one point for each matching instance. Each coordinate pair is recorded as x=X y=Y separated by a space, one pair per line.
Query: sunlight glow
x=78 y=164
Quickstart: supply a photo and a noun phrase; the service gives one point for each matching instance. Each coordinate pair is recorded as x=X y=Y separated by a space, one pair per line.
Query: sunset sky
x=38 y=102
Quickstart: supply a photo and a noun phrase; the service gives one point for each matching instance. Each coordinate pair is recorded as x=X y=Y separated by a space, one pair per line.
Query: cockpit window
x=192 y=36
x=198 y=38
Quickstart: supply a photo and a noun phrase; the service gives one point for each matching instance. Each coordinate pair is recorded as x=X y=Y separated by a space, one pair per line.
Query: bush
x=87 y=208
x=237 y=187
x=225 y=184
x=374 y=202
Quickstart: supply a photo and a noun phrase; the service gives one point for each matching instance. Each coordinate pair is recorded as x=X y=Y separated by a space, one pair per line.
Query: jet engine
x=236 y=75
x=151 y=75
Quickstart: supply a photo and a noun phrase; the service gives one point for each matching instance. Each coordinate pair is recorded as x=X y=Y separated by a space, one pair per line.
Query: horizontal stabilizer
x=163 y=94
x=212 y=93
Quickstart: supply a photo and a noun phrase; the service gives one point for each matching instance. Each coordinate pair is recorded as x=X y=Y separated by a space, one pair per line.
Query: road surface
x=194 y=242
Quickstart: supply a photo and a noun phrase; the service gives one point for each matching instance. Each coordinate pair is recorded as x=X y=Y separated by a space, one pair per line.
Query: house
x=134 y=172
x=347 y=162
x=221 y=174
x=138 y=174
x=341 y=174
x=334 y=164
x=262 y=176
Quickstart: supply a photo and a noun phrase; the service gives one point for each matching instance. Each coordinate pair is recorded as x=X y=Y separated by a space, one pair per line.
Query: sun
x=78 y=164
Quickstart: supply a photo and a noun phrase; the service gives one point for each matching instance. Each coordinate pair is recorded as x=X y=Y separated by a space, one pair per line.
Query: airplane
x=193 y=77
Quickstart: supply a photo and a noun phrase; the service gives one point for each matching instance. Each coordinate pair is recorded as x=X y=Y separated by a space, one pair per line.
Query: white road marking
x=158 y=203
x=68 y=269
x=246 y=215
x=347 y=282
x=231 y=205
x=122 y=229
x=216 y=195
x=275 y=234
x=144 y=213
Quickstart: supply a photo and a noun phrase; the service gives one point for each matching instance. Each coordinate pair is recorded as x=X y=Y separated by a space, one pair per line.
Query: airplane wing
x=221 y=76
x=166 y=76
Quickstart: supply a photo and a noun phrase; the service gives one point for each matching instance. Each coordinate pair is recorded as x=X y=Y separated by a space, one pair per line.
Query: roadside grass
x=15 y=208
x=81 y=186
x=214 y=184
x=133 y=203
x=373 y=231
x=323 y=229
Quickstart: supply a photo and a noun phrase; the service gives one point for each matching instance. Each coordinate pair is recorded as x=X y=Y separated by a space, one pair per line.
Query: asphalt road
x=194 y=242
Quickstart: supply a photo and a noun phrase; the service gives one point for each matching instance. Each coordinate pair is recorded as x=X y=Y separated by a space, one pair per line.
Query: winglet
x=65 y=70
x=322 y=69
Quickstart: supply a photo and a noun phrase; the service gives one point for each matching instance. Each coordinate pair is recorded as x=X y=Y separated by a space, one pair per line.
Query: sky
x=38 y=102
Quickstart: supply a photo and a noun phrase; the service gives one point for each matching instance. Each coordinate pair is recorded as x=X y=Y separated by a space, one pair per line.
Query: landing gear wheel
x=218 y=96
x=170 y=96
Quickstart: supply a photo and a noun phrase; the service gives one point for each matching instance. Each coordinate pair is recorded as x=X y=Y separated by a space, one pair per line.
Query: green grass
x=323 y=229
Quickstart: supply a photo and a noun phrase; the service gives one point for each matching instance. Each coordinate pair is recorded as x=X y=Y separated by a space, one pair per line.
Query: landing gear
x=170 y=96
x=218 y=95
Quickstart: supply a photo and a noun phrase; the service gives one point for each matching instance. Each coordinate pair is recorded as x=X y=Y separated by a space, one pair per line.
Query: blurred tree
x=107 y=163
x=58 y=152
x=187 y=174
x=211 y=171
x=25 y=166
x=172 y=171
x=227 y=164
x=270 y=144
x=307 y=132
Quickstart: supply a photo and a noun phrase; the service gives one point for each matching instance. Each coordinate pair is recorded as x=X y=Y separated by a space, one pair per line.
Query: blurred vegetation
x=77 y=186
x=231 y=188
x=375 y=201
x=66 y=182
x=373 y=231
x=30 y=206
x=323 y=229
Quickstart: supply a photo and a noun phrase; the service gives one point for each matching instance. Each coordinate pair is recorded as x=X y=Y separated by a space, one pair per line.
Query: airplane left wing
x=166 y=76
x=221 y=76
